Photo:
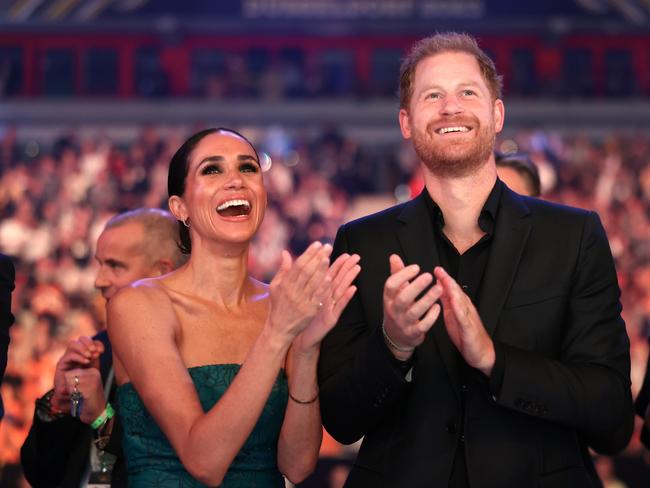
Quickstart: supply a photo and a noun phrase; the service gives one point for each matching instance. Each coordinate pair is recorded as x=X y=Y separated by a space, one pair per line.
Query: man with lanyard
x=75 y=428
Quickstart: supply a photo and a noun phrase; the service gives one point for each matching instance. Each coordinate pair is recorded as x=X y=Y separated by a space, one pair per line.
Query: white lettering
x=341 y=9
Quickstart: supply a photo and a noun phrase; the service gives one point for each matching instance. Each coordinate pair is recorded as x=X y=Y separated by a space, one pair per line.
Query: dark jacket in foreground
x=55 y=454
x=7 y=277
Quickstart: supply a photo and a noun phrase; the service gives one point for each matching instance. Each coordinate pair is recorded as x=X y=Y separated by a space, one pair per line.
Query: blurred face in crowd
x=452 y=116
x=514 y=180
x=224 y=196
x=123 y=258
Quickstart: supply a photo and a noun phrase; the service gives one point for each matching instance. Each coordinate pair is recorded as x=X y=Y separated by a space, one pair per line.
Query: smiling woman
x=217 y=370
x=222 y=169
x=210 y=164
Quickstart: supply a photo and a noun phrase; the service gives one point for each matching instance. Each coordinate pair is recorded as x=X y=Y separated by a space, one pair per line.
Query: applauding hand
x=298 y=290
x=342 y=273
x=464 y=326
x=406 y=318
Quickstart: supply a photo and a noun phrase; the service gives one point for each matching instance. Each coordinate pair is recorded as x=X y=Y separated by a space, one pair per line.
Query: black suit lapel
x=510 y=236
x=415 y=236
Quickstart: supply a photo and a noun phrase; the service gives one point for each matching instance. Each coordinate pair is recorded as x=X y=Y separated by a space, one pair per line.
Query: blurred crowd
x=56 y=196
x=363 y=68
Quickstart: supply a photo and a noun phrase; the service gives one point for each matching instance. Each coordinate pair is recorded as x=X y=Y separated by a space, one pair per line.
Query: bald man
x=58 y=451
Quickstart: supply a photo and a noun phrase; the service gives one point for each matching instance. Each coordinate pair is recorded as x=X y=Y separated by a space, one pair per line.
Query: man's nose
x=101 y=280
x=451 y=105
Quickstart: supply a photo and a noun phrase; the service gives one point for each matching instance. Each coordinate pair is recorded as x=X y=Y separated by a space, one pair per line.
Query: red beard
x=456 y=158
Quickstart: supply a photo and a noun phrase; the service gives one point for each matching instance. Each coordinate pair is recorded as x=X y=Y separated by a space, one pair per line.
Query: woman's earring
x=186 y=222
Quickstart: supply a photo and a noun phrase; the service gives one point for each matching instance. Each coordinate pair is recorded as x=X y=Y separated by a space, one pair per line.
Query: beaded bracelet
x=45 y=411
x=104 y=417
x=392 y=344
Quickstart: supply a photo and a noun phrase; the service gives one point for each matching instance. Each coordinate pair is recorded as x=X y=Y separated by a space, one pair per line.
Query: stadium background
x=95 y=95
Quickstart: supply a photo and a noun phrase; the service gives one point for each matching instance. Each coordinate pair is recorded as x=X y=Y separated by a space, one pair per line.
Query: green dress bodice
x=152 y=462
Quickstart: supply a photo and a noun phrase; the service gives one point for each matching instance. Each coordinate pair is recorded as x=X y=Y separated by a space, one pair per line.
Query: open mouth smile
x=234 y=208
x=454 y=129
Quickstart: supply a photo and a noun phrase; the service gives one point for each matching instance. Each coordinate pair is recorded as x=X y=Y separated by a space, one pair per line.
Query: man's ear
x=177 y=207
x=404 y=123
x=499 y=115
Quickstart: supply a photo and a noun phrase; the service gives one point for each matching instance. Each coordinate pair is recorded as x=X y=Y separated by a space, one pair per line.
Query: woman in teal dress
x=216 y=370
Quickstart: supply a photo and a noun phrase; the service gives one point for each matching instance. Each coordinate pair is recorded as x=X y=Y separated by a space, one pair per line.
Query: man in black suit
x=57 y=452
x=7 y=277
x=484 y=346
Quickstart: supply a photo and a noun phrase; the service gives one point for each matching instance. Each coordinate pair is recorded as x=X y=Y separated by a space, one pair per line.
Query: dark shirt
x=468 y=270
x=7 y=278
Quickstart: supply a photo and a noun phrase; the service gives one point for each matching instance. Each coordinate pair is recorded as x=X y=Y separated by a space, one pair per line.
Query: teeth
x=445 y=130
x=234 y=203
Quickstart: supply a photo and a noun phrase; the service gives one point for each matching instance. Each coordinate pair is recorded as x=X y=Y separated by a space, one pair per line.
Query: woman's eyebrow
x=211 y=158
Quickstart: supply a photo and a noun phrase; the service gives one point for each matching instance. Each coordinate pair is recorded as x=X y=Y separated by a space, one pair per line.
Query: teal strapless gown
x=152 y=462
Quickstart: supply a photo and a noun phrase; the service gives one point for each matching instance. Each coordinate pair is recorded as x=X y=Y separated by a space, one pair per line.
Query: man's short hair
x=160 y=232
x=525 y=167
x=443 y=43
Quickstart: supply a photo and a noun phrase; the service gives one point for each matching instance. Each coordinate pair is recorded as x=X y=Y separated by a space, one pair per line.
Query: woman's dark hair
x=178 y=167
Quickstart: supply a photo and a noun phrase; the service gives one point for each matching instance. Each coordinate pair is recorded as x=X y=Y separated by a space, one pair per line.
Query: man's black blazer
x=7 y=278
x=550 y=301
x=55 y=454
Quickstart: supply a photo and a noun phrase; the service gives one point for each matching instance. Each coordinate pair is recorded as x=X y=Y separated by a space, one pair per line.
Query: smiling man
x=484 y=346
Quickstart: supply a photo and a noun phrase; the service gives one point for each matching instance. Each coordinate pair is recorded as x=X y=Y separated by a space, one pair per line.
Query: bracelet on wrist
x=103 y=417
x=303 y=402
x=45 y=410
x=392 y=344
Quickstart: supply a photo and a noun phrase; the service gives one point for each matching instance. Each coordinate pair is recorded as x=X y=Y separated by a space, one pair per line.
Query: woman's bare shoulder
x=148 y=296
